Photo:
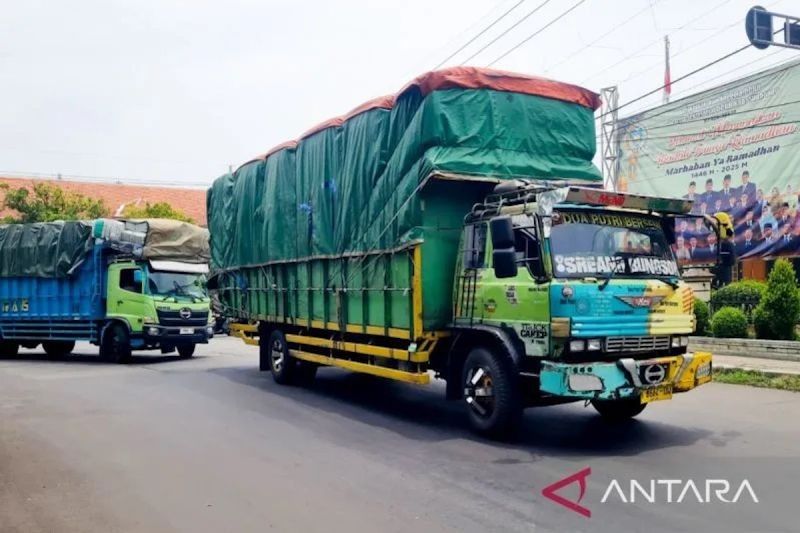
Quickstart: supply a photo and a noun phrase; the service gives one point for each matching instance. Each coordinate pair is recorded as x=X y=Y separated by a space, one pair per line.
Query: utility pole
x=667 y=75
x=609 y=136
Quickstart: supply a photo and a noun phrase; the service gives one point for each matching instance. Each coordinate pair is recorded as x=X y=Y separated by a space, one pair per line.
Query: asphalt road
x=211 y=444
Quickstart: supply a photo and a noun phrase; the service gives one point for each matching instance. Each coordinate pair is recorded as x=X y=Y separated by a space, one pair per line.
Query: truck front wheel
x=8 y=349
x=185 y=351
x=116 y=344
x=58 y=349
x=619 y=409
x=490 y=393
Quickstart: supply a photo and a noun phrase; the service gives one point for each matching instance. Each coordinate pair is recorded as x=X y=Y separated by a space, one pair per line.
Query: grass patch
x=755 y=378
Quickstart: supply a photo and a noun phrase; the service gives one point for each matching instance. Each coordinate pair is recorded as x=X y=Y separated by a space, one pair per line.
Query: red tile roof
x=191 y=201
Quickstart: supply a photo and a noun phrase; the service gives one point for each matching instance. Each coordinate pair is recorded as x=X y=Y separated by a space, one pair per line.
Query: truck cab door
x=470 y=268
x=522 y=302
x=126 y=298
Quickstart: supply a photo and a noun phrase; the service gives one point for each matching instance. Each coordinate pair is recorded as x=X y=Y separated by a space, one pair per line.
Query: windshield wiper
x=613 y=272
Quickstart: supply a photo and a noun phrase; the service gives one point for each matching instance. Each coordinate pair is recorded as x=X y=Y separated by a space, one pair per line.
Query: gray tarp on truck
x=45 y=249
x=175 y=241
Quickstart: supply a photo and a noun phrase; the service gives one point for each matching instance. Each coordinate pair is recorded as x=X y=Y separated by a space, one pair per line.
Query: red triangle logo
x=550 y=492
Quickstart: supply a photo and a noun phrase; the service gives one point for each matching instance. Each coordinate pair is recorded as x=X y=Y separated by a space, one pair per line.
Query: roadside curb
x=755 y=348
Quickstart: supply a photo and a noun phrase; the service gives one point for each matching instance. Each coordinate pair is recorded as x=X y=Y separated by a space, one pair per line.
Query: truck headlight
x=149 y=320
x=577 y=346
x=152 y=331
x=679 y=341
x=584 y=382
x=593 y=345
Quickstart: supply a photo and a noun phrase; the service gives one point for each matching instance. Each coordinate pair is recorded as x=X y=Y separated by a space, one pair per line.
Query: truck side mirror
x=668 y=226
x=504 y=262
x=138 y=277
x=502 y=232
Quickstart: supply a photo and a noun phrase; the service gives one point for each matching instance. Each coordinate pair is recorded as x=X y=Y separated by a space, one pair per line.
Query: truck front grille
x=637 y=344
x=174 y=318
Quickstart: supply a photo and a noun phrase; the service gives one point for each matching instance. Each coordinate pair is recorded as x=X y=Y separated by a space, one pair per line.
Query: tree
x=44 y=202
x=777 y=313
x=156 y=210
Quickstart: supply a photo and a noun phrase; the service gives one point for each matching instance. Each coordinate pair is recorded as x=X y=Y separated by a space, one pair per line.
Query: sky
x=176 y=91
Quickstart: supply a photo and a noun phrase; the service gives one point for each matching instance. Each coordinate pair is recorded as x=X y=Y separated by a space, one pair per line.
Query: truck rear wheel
x=8 y=349
x=616 y=410
x=116 y=345
x=185 y=351
x=490 y=393
x=58 y=349
x=282 y=365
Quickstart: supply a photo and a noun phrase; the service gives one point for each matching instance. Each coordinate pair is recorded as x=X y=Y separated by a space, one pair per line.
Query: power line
x=724 y=29
x=695 y=71
x=744 y=79
x=659 y=40
x=484 y=30
x=609 y=32
x=531 y=36
x=520 y=21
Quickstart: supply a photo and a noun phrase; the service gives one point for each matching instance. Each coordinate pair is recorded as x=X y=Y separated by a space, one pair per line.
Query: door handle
x=119 y=302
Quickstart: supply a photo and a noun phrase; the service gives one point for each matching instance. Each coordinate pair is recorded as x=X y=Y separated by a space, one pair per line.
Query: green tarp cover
x=43 y=250
x=352 y=186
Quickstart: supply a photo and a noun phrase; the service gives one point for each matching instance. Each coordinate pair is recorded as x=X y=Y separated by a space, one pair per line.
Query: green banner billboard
x=734 y=148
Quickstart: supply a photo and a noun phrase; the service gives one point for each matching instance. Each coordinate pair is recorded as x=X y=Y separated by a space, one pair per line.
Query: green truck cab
x=166 y=309
x=582 y=285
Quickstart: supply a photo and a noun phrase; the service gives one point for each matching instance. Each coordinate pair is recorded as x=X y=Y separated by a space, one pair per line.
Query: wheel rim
x=277 y=355
x=479 y=392
x=116 y=342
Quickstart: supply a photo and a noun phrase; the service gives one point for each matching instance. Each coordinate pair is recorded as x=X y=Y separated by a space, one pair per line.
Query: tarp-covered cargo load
x=44 y=250
x=57 y=249
x=351 y=184
x=157 y=239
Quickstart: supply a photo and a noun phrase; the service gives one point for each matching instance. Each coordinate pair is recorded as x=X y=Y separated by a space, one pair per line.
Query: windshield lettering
x=586 y=243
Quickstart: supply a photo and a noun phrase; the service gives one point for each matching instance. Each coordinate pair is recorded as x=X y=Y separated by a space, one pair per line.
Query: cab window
x=127 y=280
x=475 y=246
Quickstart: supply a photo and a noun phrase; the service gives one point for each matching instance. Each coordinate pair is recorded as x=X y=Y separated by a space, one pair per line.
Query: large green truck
x=122 y=285
x=457 y=229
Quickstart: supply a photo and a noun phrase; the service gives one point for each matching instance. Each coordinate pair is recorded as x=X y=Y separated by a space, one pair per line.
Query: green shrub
x=776 y=315
x=734 y=294
x=729 y=322
x=700 y=317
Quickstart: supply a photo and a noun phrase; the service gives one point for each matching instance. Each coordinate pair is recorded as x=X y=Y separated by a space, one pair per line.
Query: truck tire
x=616 y=410
x=282 y=365
x=8 y=349
x=58 y=349
x=185 y=351
x=116 y=344
x=491 y=393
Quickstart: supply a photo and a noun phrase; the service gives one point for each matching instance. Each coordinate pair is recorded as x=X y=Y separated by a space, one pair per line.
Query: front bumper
x=154 y=334
x=624 y=378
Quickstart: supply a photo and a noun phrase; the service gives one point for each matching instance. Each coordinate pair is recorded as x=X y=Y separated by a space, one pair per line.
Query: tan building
x=116 y=196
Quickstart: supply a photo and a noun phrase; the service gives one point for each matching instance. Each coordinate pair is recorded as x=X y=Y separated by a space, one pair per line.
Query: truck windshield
x=587 y=243
x=162 y=283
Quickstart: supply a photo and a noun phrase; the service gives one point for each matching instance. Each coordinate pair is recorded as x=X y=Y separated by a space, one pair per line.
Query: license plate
x=659 y=392
x=187 y=331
